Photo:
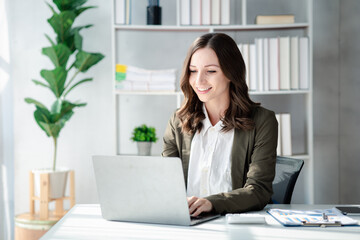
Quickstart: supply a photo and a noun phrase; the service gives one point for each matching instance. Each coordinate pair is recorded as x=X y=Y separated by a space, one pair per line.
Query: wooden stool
x=45 y=199
x=31 y=227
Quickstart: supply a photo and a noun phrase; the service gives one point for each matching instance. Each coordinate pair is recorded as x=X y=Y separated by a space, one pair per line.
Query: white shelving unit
x=140 y=41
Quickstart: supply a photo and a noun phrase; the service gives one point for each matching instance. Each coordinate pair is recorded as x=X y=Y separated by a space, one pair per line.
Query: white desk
x=85 y=222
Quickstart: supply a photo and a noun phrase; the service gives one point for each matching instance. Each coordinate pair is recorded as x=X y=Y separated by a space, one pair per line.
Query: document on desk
x=320 y=217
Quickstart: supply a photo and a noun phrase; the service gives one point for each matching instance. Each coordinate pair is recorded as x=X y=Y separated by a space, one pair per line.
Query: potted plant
x=69 y=59
x=144 y=136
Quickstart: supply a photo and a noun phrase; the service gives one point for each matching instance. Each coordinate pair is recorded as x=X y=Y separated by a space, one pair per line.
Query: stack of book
x=129 y=78
x=122 y=12
x=204 y=12
x=275 y=19
x=284 y=134
x=280 y=63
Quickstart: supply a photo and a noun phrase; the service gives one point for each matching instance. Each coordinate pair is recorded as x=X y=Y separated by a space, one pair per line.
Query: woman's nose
x=200 y=77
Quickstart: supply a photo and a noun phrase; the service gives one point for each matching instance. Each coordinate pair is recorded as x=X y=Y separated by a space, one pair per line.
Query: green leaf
x=43 y=121
x=40 y=83
x=61 y=23
x=63 y=5
x=73 y=39
x=52 y=122
x=56 y=107
x=76 y=84
x=78 y=40
x=51 y=8
x=81 y=10
x=85 y=60
x=56 y=79
x=42 y=115
x=50 y=40
x=68 y=106
x=66 y=111
x=58 y=54
x=144 y=133
x=37 y=103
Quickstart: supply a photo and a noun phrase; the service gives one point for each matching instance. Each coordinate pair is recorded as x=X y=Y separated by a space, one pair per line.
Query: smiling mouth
x=204 y=90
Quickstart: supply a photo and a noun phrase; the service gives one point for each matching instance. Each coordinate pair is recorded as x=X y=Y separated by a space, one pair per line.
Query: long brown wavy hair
x=232 y=65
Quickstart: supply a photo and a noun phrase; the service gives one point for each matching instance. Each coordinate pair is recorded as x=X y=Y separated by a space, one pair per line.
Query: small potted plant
x=144 y=135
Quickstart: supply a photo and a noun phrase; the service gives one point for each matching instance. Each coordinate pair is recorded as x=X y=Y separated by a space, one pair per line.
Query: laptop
x=143 y=189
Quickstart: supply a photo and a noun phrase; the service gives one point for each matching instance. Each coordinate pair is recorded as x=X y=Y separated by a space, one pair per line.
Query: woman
x=227 y=143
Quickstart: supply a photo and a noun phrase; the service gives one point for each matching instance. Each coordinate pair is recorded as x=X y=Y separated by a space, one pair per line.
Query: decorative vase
x=153 y=15
x=144 y=148
x=57 y=181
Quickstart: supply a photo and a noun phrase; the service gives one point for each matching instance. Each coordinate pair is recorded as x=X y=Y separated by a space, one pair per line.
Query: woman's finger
x=191 y=200
x=194 y=206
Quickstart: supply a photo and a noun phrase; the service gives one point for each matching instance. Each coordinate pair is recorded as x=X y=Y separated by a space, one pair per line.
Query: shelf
x=210 y=28
x=161 y=93
x=280 y=92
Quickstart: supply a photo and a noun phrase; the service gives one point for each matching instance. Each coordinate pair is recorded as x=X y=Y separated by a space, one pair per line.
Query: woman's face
x=207 y=78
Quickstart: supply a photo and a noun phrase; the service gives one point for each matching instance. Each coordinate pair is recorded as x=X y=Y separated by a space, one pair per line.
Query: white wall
x=90 y=131
x=6 y=131
x=336 y=101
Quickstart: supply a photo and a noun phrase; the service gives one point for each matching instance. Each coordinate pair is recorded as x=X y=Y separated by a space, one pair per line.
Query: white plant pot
x=144 y=148
x=57 y=180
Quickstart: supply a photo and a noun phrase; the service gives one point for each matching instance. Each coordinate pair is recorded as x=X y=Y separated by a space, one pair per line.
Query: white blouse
x=210 y=160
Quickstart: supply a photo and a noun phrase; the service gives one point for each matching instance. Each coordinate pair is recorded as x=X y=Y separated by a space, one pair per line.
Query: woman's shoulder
x=175 y=120
x=260 y=114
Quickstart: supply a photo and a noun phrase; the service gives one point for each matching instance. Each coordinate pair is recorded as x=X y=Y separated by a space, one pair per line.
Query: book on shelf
x=130 y=78
x=278 y=148
x=225 y=12
x=275 y=19
x=284 y=147
x=122 y=11
x=285 y=121
x=266 y=64
x=304 y=63
x=215 y=12
x=128 y=12
x=274 y=80
x=196 y=10
x=252 y=68
x=259 y=43
x=294 y=63
x=276 y=64
x=185 y=10
x=244 y=49
x=284 y=58
x=119 y=11
x=206 y=12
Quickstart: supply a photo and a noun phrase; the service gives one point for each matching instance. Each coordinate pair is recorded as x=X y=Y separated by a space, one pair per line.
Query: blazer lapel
x=185 y=154
x=239 y=159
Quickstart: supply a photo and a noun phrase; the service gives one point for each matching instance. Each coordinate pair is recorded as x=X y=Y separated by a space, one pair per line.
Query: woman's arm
x=170 y=148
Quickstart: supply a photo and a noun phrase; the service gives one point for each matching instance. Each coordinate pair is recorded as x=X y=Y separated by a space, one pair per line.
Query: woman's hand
x=198 y=205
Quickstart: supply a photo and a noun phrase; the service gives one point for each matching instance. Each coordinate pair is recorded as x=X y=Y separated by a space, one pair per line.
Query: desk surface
x=85 y=222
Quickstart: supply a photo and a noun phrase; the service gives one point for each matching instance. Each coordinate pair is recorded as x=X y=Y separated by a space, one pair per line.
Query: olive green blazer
x=253 y=159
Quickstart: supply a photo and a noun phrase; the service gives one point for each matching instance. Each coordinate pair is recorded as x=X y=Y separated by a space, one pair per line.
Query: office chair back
x=287 y=172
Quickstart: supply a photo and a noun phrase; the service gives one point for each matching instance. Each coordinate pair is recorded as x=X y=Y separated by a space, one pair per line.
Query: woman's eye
x=192 y=71
x=211 y=71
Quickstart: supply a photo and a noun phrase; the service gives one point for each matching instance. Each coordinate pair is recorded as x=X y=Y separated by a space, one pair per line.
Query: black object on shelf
x=153 y=15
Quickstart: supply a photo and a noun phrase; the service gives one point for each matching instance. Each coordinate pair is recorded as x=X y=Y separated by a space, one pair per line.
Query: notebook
x=143 y=189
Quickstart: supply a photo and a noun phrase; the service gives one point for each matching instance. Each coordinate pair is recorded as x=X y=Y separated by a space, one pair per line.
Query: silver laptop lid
x=141 y=189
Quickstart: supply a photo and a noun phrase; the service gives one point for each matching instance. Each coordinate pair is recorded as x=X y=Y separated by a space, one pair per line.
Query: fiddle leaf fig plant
x=62 y=79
